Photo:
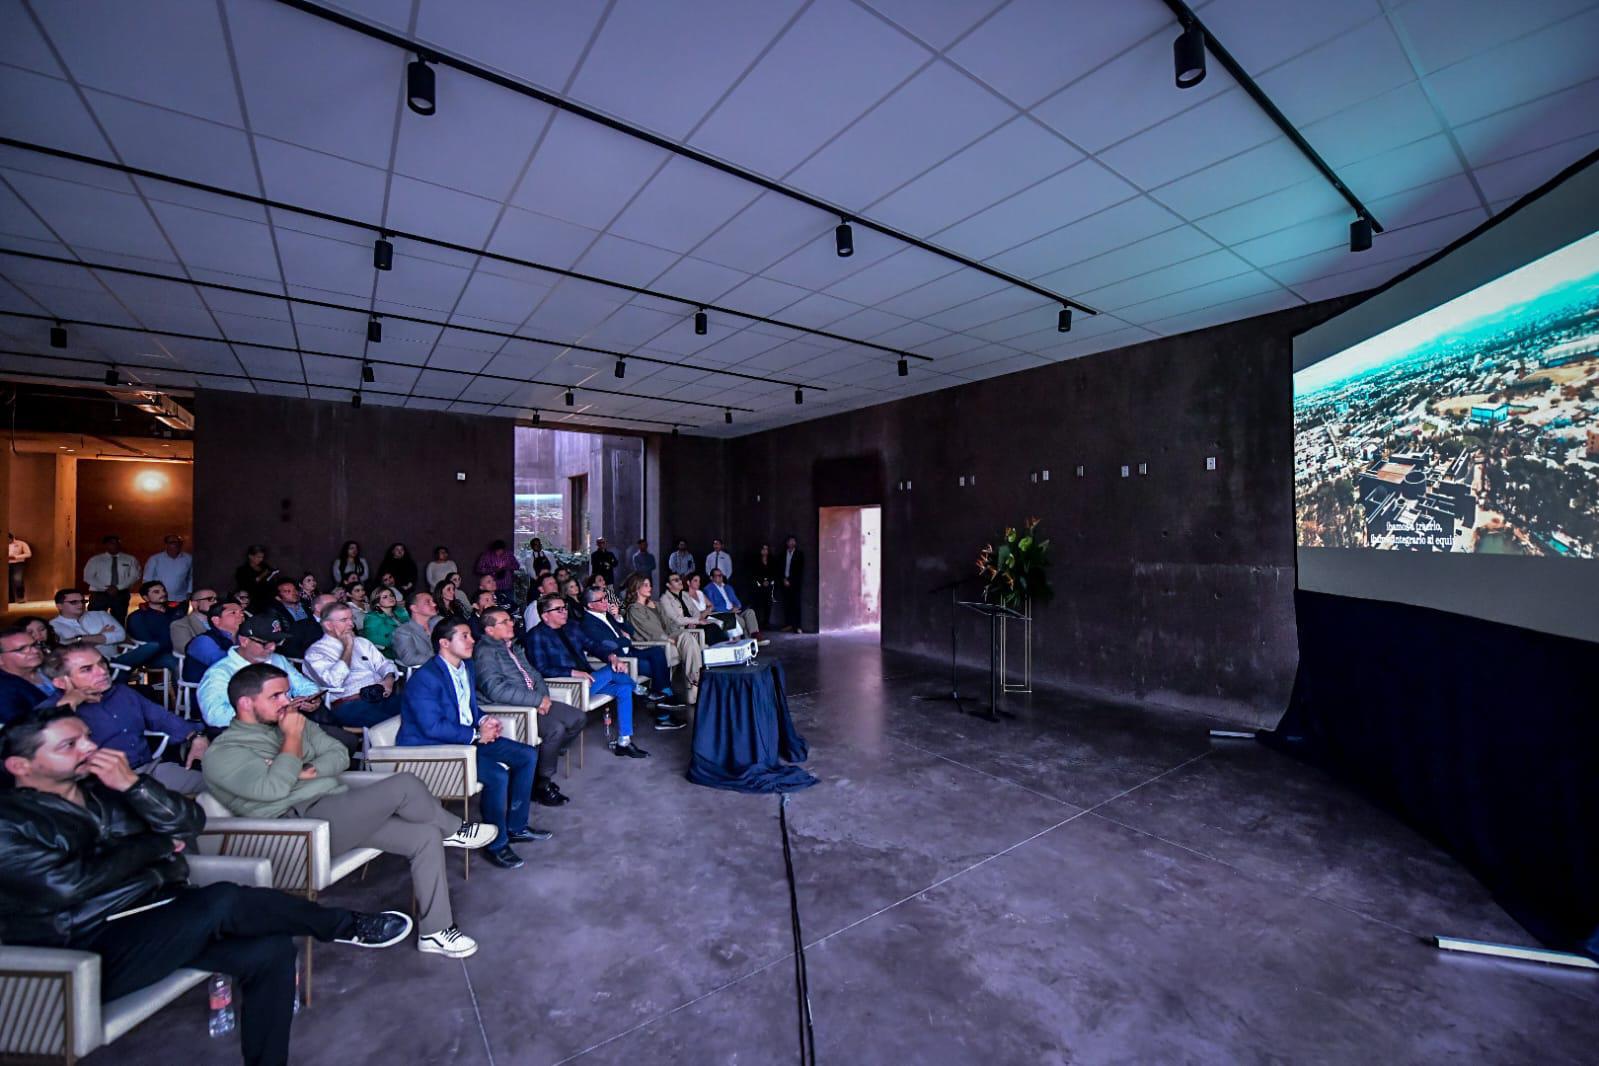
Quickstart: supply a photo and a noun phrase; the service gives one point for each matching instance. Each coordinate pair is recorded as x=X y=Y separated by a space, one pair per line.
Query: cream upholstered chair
x=50 y=1009
x=575 y=690
x=300 y=849
x=448 y=770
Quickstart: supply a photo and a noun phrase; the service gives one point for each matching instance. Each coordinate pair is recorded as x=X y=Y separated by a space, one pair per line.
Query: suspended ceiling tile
x=1531 y=127
x=337 y=341
x=326 y=265
x=1054 y=202
x=585 y=172
x=682 y=205
x=664 y=67
x=936 y=23
x=1168 y=247
x=322 y=182
x=940 y=295
x=447 y=357
x=699 y=279
x=493 y=296
x=219 y=242
x=1004 y=162
x=1426 y=202
x=1261 y=36
x=440 y=212
x=416 y=283
x=629 y=327
x=171 y=142
x=763 y=296
x=1416 y=164
x=1273 y=166
x=248 y=329
x=818 y=311
x=1521 y=175
x=22 y=45
x=782 y=112
x=627 y=261
x=1007 y=301
x=1346 y=70
x=1030 y=48
x=536 y=43
x=1221 y=127
x=1273 y=212
x=540 y=239
x=1552 y=59
x=1226 y=289
x=164 y=52
x=764 y=232
x=47 y=111
x=910 y=336
x=1124 y=223
x=869 y=322
x=1355 y=280
x=93 y=218
x=900 y=272
x=306 y=83
x=1386 y=121
x=570 y=313
x=1445 y=32
x=18 y=220
x=478 y=142
x=922 y=123
x=1176 y=277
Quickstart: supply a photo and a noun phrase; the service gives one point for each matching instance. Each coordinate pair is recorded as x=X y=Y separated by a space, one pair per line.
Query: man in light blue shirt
x=258 y=643
x=174 y=568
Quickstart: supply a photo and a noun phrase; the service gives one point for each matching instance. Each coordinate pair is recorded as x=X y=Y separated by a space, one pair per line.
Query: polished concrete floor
x=1088 y=883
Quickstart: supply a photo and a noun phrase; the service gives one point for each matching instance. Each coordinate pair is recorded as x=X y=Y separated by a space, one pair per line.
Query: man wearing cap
x=258 y=641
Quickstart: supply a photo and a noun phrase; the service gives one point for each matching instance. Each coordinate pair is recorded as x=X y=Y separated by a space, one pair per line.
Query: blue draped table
x=743 y=733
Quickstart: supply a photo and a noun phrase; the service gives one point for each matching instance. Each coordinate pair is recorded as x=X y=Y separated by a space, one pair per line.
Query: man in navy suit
x=612 y=637
x=440 y=706
x=559 y=649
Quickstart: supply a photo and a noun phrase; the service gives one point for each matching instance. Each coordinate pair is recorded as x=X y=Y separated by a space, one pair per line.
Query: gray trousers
x=183 y=782
x=400 y=816
x=557 y=730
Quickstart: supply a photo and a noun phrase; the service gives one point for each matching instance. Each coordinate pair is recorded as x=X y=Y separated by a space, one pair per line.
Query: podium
x=996 y=616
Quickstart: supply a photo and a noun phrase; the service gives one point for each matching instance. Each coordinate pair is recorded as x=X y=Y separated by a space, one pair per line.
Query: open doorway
x=849 y=560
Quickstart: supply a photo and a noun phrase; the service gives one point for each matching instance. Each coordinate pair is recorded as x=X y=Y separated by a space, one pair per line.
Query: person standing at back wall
x=111 y=576
x=791 y=584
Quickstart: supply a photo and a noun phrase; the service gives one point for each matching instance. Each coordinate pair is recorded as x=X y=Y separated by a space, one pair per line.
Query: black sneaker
x=525 y=836
x=630 y=751
x=550 y=796
x=667 y=722
x=505 y=858
x=381 y=930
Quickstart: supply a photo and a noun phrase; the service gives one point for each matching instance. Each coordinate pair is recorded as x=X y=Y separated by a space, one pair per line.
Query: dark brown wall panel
x=302 y=476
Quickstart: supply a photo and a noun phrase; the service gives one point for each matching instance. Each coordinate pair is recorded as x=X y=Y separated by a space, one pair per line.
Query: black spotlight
x=535 y=418
x=701 y=322
x=674 y=431
x=1360 y=235
x=383 y=254
x=419 y=87
x=1063 y=324
x=1188 y=55
x=570 y=399
x=904 y=367
x=355 y=400
x=799 y=395
x=844 y=237
x=621 y=368
x=112 y=377
x=374 y=330
x=727 y=416
x=58 y=336
x=367 y=373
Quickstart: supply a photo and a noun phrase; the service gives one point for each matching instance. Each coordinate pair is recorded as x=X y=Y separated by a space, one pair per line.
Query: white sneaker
x=450 y=942
x=472 y=835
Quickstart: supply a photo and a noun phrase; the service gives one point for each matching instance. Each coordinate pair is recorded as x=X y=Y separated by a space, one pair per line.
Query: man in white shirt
x=681 y=561
x=353 y=670
x=76 y=624
x=17 y=555
x=174 y=568
x=111 y=576
x=719 y=560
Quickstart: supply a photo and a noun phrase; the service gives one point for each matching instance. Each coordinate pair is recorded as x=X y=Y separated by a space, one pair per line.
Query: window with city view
x=572 y=487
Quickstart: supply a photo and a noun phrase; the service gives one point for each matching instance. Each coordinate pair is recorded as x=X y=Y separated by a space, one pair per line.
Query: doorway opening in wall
x=849 y=569
x=572 y=488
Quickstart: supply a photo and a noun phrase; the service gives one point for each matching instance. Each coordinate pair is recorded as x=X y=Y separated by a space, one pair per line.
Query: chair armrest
x=298 y=848
x=573 y=690
x=361 y=778
x=521 y=723
x=448 y=770
x=237 y=869
x=161 y=747
x=57 y=993
x=655 y=644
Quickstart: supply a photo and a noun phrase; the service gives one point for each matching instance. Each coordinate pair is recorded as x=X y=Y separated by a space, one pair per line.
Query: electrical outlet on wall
x=1210 y=462
x=1126 y=471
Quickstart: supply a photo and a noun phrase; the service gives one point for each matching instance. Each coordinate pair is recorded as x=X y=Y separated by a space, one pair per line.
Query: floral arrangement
x=1016 y=570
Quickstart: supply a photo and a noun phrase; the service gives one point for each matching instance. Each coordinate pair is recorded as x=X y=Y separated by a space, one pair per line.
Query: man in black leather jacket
x=91 y=858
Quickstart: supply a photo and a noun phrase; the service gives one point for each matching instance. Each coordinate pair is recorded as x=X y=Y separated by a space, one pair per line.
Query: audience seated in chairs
x=557 y=649
x=151 y=626
x=545 y=586
x=716 y=632
x=210 y=645
x=84 y=840
x=76 y=624
x=610 y=637
x=186 y=628
x=258 y=643
x=683 y=647
x=299 y=626
x=505 y=676
x=440 y=706
x=273 y=760
x=724 y=600
x=23 y=684
x=411 y=644
x=386 y=615
x=359 y=678
x=118 y=718
x=450 y=600
x=355 y=596
x=682 y=612
x=484 y=602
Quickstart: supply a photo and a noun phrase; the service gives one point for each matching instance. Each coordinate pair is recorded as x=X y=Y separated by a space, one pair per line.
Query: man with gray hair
x=359 y=678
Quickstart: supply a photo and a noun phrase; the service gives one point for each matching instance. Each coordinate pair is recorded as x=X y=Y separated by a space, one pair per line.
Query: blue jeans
x=608 y=682
x=506 y=769
x=360 y=714
x=652 y=661
x=148 y=654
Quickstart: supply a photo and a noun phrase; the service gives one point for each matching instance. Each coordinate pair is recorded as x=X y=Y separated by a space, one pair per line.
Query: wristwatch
x=477 y=735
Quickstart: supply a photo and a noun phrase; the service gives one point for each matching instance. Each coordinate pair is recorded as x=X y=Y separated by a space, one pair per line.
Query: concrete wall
x=30 y=513
x=1174 y=586
x=302 y=476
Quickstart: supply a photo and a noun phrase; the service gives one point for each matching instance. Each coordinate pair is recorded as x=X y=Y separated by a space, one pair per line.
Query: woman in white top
x=441 y=567
x=699 y=608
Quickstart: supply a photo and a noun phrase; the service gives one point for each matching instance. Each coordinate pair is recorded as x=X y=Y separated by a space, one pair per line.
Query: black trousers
x=557 y=731
x=242 y=931
x=791 y=604
x=114 y=602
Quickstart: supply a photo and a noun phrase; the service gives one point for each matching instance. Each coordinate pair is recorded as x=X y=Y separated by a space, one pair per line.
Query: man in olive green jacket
x=273 y=762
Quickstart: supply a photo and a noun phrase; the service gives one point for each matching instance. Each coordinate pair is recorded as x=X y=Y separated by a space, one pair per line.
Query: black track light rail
x=1186 y=18
x=491 y=405
x=437 y=242
x=364 y=360
x=393 y=316
x=433 y=55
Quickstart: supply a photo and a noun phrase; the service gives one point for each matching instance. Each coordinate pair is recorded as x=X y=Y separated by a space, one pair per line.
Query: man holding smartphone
x=258 y=641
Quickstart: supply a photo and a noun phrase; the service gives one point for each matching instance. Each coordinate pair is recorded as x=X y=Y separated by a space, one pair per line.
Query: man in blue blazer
x=613 y=637
x=557 y=648
x=440 y=706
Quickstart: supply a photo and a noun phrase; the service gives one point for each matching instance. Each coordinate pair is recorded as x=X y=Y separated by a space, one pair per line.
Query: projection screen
x=1446 y=430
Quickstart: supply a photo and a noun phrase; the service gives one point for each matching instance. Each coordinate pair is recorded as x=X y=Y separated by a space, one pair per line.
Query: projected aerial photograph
x=1473 y=427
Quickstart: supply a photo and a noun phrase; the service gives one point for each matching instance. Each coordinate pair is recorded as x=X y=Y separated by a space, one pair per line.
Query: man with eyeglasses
x=558 y=650
x=259 y=638
x=23 y=685
x=76 y=624
x=194 y=623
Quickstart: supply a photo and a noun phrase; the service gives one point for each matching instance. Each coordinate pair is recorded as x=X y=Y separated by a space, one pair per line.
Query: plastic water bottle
x=221 y=997
x=608 y=737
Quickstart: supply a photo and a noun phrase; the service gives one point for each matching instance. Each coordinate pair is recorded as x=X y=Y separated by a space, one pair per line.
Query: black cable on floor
x=807 y=1029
